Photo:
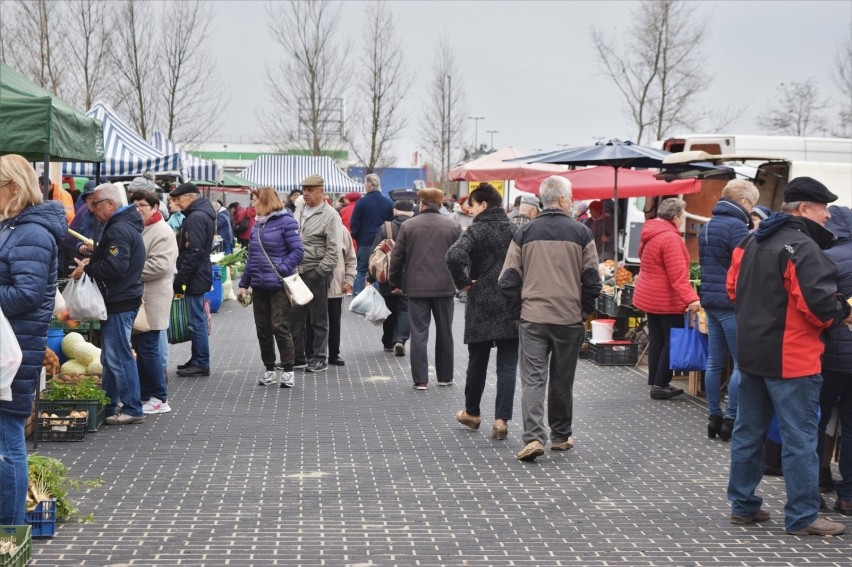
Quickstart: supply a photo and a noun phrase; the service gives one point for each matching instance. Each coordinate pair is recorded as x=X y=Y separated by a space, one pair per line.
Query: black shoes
x=191 y=371
x=665 y=392
x=337 y=362
x=185 y=365
x=727 y=429
x=714 y=426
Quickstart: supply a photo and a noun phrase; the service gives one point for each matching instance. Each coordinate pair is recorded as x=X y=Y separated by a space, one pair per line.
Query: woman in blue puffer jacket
x=274 y=252
x=30 y=233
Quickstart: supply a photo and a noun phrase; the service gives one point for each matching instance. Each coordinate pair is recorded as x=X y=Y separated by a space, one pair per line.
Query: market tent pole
x=615 y=219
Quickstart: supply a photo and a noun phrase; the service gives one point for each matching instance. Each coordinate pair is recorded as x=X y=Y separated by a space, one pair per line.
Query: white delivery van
x=793 y=148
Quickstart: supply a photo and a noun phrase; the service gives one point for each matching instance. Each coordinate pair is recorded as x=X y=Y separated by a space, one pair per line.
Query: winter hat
x=144 y=183
x=404 y=206
x=431 y=196
x=761 y=212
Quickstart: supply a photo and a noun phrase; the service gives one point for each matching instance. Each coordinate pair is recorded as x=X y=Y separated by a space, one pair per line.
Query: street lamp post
x=476 y=120
x=492 y=132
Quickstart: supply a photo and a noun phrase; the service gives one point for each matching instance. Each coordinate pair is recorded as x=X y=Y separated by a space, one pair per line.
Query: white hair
x=552 y=188
x=111 y=192
x=373 y=181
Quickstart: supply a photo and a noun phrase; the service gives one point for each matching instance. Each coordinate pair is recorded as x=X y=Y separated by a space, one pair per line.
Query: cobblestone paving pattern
x=354 y=467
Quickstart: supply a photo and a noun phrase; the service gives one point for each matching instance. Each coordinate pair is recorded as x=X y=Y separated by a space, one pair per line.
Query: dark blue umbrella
x=614 y=153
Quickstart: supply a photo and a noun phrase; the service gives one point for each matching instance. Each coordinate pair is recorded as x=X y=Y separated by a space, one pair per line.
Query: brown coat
x=421 y=246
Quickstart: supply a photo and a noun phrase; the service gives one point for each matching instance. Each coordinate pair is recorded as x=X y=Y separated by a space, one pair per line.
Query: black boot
x=727 y=429
x=826 y=483
x=714 y=425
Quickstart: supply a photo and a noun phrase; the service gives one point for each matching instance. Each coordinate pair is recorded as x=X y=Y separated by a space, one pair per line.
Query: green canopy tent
x=43 y=127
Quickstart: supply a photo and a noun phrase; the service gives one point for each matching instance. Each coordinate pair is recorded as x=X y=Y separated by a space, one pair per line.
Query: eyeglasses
x=99 y=201
x=142 y=205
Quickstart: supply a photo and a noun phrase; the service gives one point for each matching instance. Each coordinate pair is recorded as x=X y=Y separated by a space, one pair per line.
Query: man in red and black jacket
x=785 y=294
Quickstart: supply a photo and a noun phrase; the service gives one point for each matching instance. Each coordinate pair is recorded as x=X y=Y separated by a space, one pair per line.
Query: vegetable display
x=48 y=479
x=84 y=389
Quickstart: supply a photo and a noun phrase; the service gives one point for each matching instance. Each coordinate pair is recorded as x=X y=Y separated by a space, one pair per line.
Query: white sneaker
x=155 y=405
x=269 y=377
x=287 y=380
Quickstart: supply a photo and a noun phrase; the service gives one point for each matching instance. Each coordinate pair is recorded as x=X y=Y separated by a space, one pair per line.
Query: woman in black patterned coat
x=475 y=261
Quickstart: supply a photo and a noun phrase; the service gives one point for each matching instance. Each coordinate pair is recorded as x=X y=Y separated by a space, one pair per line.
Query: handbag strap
x=263 y=249
x=388 y=230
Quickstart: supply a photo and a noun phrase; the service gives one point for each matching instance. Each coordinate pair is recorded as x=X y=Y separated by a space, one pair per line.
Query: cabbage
x=86 y=353
x=94 y=367
x=72 y=367
x=69 y=343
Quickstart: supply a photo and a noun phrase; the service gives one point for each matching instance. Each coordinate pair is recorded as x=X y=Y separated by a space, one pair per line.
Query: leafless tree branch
x=30 y=46
x=88 y=49
x=795 y=111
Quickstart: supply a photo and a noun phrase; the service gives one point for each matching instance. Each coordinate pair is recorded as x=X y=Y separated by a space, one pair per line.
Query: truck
x=793 y=148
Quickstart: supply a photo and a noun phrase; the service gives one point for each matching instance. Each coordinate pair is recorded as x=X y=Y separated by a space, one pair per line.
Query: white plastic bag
x=10 y=358
x=371 y=305
x=86 y=302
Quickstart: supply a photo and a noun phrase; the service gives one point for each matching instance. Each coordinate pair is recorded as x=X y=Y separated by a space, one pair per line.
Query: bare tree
x=842 y=76
x=795 y=112
x=308 y=85
x=31 y=44
x=659 y=68
x=192 y=94
x=379 y=115
x=134 y=58
x=88 y=49
x=443 y=119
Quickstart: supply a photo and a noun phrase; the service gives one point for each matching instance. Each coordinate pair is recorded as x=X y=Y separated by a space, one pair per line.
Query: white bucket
x=602 y=330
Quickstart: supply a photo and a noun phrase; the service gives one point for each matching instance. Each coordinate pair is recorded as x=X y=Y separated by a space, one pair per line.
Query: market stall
x=285 y=173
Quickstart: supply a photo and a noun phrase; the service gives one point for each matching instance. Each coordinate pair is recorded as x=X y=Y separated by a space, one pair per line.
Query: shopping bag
x=688 y=346
x=297 y=290
x=86 y=302
x=140 y=324
x=10 y=358
x=178 y=321
x=371 y=305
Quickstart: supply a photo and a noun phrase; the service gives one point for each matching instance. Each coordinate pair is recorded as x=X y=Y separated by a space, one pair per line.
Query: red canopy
x=597 y=183
x=493 y=166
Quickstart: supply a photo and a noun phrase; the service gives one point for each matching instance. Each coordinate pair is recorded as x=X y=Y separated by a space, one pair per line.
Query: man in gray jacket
x=318 y=227
x=421 y=245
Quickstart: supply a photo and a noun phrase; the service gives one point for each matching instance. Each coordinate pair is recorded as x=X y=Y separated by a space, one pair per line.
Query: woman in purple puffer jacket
x=274 y=252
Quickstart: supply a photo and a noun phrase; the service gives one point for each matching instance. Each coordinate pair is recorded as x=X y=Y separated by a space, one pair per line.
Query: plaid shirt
x=521 y=220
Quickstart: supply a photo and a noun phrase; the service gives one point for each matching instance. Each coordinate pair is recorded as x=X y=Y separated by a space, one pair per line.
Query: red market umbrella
x=493 y=166
x=597 y=183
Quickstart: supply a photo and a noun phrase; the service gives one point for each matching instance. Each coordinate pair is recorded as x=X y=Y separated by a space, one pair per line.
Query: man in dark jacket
x=716 y=243
x=370 y=213
x=116 y=265
x=785 y=291
x=837 y=360
x=421 y=245
x=194 y=271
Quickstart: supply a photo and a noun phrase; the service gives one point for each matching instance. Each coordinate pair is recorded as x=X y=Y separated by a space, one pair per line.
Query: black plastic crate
x=614 y=353
x=606 y=305
x=627 y=295
x=62 y=427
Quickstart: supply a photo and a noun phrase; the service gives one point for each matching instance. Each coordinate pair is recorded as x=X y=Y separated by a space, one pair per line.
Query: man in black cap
x=194 y=271
x=785 y=294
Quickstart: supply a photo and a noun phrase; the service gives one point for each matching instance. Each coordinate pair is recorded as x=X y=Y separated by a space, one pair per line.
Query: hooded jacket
x=663 y=286
x=716 y=243
x=838 y=341
x=195 y=239
x=118 y=260
x=280 y=237
x=29 y=243
x=784 y=288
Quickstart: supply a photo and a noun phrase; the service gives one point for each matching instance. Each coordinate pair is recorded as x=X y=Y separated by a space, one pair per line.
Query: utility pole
x=492 y=132
x=476 y=120
x=449 y=126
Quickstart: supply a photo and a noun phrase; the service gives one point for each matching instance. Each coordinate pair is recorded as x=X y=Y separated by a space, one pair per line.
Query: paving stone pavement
x=354 y=467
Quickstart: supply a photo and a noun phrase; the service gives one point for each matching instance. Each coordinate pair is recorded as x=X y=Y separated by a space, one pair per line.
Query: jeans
x=363 y=259
x=722 y=335
x=272 y=325
x=477 y=368
x=395 y=329
x=840 y=383
x=198 y=331
x=13 y=469
x=659 y=329
x=548 y=361
x=420 y=313
x=120 y=376
x=149 y=364
x=796 y=402
x=164 y=348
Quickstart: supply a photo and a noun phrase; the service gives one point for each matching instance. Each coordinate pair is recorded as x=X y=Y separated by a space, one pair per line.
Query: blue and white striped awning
x=197 y=168
x=125 y=152
x=285 y=173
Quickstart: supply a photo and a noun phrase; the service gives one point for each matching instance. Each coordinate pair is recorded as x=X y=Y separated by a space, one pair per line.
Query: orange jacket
x=64 y=197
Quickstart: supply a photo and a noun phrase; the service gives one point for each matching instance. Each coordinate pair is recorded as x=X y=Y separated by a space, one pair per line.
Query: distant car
x=403 y=194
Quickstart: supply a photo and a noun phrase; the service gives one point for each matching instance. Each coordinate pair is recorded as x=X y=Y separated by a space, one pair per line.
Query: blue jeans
x=796 y=403
x=722 y=334
x=149 y=363
x=13 y=469
x=363 y=257
x=120 y=376
x=164 y=348
x=198 y=331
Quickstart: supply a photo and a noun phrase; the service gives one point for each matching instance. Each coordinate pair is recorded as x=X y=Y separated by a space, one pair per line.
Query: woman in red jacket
x=663 y=290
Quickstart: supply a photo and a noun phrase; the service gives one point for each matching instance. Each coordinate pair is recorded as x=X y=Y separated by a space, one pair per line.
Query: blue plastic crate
x=43 y=518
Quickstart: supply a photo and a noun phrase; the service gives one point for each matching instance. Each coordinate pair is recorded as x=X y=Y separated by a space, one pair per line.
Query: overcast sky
x=530 y=70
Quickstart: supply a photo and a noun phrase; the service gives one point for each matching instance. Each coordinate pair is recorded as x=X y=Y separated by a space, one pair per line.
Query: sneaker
x=821 y=527
x=420 y=386
x=562 y=445
x=269 y=377
x=759 y=516
x=124 y=419
x=399 y=349
x=301 y=364
x=287 y=380
x=530 y=451
x=317 y=365
x=155 y=405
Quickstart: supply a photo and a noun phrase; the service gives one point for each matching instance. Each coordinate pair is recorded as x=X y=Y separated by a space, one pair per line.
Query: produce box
x=62 y=427
x=614 y=353
x=606 y=305
x=43 y=518
x=22 y=537
x=627 y=295
x=96 y=415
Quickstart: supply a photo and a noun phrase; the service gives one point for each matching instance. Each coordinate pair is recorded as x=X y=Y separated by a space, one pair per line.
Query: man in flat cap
x=421 y=246
x=194 y=271
x=319 y=224
x=528 y=207
x=785 y=294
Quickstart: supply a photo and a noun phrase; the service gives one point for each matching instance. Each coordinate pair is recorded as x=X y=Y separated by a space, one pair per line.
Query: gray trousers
x=314 y=314
x=548 y=350
x=420 y=312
